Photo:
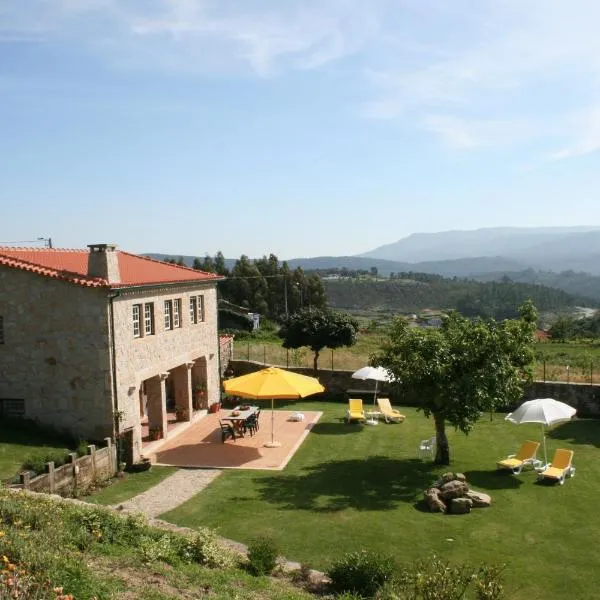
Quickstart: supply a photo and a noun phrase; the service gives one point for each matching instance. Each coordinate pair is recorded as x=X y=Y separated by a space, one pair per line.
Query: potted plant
x=214 y=407
x=199 y=395
x=155 y=433
x=183 y=414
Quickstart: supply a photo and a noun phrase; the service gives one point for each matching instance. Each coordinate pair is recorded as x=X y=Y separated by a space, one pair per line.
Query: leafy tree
x=318 y=329
x=562 y=329
x=463 y=368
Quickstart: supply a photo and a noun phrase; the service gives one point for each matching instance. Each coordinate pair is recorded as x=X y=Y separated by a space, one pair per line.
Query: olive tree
x=463 y=368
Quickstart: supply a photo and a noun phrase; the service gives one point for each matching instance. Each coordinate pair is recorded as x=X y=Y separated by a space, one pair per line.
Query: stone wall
x=55 y=355
x=77 y=475
x=584 y=397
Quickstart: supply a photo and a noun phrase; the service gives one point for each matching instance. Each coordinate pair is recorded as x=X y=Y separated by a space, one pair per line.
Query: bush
x=38 y=463
x=440 y=580
x=262 y=556
x=204 y=548
x=361 y=573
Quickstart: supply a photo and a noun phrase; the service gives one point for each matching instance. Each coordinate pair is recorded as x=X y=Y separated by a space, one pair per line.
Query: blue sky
x=300 y=127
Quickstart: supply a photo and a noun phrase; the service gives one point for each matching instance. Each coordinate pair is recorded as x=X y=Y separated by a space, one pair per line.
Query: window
x=201 y=308
x=196 y=309
x=137 y=320
x=177 y=313
x=149 y=318
x=168 y=314
x=193 y=310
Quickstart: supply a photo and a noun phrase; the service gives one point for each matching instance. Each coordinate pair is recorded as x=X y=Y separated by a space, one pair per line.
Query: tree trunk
x=442 y=449
x=316 y=362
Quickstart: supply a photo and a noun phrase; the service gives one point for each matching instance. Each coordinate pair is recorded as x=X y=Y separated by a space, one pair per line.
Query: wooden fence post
x=112 y=458
x=92 y=452
x=51 y=476
x=25 y=477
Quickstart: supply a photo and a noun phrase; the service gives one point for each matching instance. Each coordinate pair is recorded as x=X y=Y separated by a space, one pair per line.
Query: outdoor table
x=237 y=421
x=373 y=417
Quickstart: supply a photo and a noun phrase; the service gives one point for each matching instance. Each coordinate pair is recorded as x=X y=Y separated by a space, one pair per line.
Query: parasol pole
x=545 y=451
x=375 y=394
x=272 y=420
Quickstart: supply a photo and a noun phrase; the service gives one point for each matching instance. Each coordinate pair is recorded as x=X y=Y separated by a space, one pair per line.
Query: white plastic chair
x=427 y=448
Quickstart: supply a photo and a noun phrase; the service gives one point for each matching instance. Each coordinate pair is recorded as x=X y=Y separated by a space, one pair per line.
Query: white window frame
x=149 y=318
x=177 y=313
x=201 y=313
x=136 y=314
x=193 y=310
x=168 y=314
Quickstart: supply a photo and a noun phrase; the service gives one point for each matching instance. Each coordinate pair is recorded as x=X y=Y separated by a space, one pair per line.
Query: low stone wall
x=77 y=474
x=584 y=397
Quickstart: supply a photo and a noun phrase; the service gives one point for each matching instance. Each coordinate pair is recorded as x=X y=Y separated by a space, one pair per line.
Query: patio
x=200 y=444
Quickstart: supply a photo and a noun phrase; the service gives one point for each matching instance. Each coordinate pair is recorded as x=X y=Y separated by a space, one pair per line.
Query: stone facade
x=56 y=352
x=71 y=355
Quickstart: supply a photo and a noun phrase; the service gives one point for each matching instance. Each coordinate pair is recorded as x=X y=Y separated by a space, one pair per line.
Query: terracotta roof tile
x=71 y=265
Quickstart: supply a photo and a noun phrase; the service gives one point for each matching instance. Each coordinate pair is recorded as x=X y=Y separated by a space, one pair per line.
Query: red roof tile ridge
x=38 y=249
x=163 y=262
x=63 y=274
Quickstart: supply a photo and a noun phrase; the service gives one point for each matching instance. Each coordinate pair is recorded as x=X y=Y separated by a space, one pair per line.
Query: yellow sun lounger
x=560 y=468
x=355 y=410
x=524 y=457
x=389 y=413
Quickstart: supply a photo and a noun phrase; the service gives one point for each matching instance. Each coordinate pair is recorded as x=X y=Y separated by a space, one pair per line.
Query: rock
x=454 y=489
x=446 y=477
x=479 y=499
x=434 y=501
x=460 y=506
x=460 y=477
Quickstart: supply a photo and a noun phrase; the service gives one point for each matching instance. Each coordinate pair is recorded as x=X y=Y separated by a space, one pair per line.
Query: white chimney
x=103 y=261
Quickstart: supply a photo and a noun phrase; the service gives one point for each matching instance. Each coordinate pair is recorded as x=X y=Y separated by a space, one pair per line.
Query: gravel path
x=171 y=492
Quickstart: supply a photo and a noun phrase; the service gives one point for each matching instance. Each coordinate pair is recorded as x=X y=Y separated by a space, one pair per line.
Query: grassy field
x=351 y=487
x=20 y=442
x=579 y=357
x=130 y=485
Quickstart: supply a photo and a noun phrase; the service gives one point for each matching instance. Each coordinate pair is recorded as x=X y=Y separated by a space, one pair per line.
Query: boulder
x=479 y=499
x=460 y=506
x=446 y=477
x=454 y=489
x=460 y=477
x=434 y=500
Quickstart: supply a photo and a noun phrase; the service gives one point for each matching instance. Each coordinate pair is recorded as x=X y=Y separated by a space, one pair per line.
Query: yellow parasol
x=273 y=383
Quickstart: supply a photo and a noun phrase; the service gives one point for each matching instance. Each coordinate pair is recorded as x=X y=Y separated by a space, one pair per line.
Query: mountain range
x=567 y=258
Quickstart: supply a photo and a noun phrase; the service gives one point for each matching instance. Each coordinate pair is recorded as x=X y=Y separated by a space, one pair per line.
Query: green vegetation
x=130 y=485
x=582 y=358
x=318 y=329
x=461 y=369
x=417 y=291
x=570 y=328
x=350 y=488
x=265 y=286
x=96 y=553
x=262 y=555
x=24 y=445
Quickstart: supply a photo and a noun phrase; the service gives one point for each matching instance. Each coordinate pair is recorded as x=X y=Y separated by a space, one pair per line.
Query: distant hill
x=547 y=248
x=490 y=299
x=576 y=283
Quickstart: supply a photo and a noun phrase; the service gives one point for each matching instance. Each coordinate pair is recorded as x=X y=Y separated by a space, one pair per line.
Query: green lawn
x=20 y=442
x=350 y=487
x=130 y=485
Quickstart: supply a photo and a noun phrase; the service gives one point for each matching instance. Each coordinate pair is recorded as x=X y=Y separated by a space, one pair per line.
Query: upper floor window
x=149 y=318
x=193 y=310
x=197 y=309
x=168 y=314
x=177 y=313
x=1 y=330
x=137 y=320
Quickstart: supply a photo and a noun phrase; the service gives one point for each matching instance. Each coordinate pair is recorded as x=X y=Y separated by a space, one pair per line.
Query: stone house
x=101 y=342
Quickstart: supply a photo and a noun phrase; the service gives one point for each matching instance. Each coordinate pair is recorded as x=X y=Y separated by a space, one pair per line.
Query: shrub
x=361 y=573
x=82 y=448
x=262 y=555
x=436 y=579
x=38 y=463
x=204 y=548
